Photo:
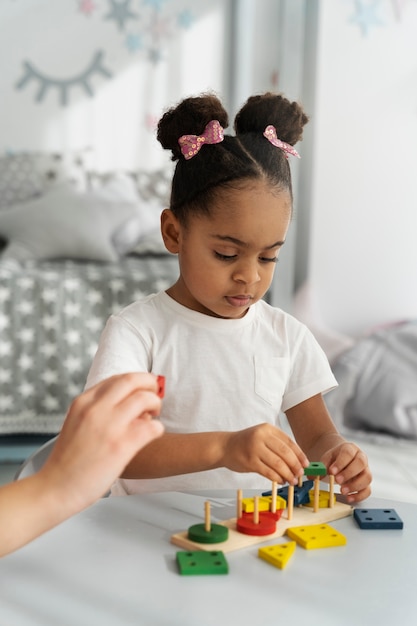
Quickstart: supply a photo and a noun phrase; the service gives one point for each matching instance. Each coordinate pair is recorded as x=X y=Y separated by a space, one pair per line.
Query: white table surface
x=114 y=565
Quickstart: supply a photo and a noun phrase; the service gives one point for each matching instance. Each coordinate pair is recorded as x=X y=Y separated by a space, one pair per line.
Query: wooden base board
x=302 y=516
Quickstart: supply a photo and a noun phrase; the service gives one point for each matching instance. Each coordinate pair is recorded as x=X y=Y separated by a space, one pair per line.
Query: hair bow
x=270 y=133
x=191 y=144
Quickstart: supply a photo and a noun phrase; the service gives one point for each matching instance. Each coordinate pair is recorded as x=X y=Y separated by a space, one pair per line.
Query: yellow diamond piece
x=316 y=536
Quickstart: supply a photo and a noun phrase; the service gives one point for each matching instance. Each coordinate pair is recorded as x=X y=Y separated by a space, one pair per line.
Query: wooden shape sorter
x=302 y=516
x=316 y=536
x=278 y=555
x=378 y=519
x=200 y=562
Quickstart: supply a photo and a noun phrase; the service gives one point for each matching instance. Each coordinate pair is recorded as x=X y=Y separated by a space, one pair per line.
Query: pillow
x=64 y=223
x=121 y=186
x=25 y=175
x=151 y=243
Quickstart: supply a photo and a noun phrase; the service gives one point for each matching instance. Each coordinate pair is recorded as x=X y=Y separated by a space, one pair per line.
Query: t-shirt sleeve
x=310 y=371
x=121 y=349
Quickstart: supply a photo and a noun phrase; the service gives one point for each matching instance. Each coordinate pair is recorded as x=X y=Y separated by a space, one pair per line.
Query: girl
x=231 y=361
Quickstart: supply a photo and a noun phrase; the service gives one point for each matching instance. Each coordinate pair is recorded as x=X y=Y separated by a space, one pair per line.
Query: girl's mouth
x=239 y=301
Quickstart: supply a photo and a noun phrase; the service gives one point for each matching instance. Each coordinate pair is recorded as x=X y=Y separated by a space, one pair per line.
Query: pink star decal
x=86 y=7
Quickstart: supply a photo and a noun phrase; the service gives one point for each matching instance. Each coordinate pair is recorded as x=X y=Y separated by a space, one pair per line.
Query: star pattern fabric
x=51 y=316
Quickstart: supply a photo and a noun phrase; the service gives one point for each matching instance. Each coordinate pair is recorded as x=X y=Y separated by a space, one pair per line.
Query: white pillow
x=65 y=223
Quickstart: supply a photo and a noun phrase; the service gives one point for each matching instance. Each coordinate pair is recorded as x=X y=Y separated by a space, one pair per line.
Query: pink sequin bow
x=271 y=134
x=191 y=144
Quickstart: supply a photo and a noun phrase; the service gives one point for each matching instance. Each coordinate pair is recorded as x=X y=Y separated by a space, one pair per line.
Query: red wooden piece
x=267 y=524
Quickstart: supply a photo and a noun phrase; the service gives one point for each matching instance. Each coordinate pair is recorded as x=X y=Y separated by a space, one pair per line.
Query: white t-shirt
x=221 y=374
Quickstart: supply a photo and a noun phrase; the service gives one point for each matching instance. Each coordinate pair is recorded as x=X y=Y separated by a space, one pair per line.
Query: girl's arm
x=263 y=449
x=105 y=426
x=317 y=435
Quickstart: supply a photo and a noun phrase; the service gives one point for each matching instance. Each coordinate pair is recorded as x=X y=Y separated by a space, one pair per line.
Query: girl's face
x=227 y=260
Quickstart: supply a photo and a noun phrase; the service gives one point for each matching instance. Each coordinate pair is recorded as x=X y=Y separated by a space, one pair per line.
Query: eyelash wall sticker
x=63 y=85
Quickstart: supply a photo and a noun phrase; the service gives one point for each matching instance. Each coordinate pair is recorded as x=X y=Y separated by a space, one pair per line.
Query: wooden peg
x=256 y=510
x=207 y=520
x=290 y=501
x=316 y=494
x=331 y=491
x=274 y=497
x=239 y=507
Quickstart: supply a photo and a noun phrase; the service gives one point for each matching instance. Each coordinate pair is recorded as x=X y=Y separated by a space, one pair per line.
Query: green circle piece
x=216 y=534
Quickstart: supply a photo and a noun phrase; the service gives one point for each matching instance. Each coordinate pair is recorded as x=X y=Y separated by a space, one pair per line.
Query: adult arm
x=105 y=426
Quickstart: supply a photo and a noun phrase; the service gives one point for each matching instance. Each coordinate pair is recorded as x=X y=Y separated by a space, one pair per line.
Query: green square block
x=202 y=562
x=316 y=469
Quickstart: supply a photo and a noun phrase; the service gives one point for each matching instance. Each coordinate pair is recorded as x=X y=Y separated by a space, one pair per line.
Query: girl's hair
x=199 y=181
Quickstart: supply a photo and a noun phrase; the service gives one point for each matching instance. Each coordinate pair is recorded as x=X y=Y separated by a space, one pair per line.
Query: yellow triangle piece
x=316 y=536
x=278 y=555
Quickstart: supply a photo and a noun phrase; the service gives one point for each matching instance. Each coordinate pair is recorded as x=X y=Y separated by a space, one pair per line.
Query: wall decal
x=368 y=13
x=86 y=7
x=365 y=15
x=63 y=85
x=120 y=12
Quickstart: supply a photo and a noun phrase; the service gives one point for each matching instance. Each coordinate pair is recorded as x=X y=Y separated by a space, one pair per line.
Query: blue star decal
x=120 y=12
x=185 y=19
x=155 y=4
x=366 y=15
x=134 y=42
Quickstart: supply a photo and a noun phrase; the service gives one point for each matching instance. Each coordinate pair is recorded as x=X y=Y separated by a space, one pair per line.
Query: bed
x=377 y=393
x=77 y=245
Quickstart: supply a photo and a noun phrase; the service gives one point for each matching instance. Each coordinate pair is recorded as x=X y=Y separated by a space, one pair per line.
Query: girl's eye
x=225 y=257
x=269 y=260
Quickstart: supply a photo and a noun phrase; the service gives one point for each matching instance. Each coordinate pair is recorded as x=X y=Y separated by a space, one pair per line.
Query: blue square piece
x=377 y=519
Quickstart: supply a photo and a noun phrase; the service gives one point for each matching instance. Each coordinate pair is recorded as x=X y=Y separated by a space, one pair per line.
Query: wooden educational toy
x=316 y=536
x=246 y=529
x=200 y=562
x=278 y=555
x=378 y=519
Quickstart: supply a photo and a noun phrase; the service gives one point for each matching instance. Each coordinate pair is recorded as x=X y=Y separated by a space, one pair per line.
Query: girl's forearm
x=174 y=454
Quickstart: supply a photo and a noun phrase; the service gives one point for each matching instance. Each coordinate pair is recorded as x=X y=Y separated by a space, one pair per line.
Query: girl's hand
x=349 y=465
x=266 y=450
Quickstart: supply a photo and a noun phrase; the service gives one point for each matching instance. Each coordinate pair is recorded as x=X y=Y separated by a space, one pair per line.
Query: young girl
x=231 y=361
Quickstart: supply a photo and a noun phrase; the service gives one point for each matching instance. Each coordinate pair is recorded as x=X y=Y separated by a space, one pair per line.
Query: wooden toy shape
x=216 y=534
x=300 y=493
x=208 y=532
x=161 y=386
x=316 y=536
x=266 y=524
x=315 y=469
x=248 y=504
x=236 y=541
x=278 y=555
x=200 y=562
x=280 y=503
x=384 y=519
x=324 y=499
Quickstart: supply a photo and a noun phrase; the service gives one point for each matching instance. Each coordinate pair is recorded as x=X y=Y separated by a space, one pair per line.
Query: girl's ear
x=170 y=230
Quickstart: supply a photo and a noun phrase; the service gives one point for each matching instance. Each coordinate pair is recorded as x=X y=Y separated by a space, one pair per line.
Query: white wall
x=363 y=245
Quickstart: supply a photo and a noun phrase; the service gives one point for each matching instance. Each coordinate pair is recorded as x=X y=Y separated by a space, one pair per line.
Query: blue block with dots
x=377 y=519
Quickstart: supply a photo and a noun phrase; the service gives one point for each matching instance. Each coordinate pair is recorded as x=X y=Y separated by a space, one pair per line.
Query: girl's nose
x=246 y=273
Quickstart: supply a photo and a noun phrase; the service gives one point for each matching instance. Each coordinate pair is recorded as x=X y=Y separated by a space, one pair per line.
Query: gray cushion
x=64 y=223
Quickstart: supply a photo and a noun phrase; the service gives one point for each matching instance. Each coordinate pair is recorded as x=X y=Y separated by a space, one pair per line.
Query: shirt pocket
x=271 y=376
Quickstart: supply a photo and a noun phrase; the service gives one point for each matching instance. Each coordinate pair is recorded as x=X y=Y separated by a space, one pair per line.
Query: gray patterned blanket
x=51 y=316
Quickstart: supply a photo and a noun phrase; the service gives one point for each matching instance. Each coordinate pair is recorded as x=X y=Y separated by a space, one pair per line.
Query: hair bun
x=189 y=117
x=260 y=111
